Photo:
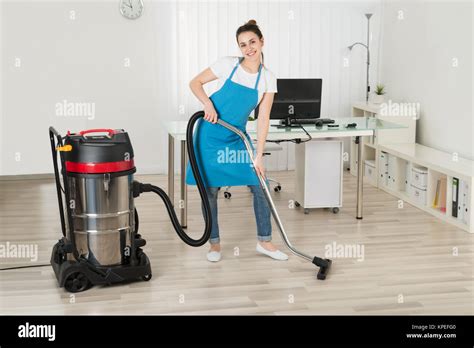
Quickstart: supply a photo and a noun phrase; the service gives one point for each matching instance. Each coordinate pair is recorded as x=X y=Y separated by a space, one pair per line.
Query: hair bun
x=251 y=22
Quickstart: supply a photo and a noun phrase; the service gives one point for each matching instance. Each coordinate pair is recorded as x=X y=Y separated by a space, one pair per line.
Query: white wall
x=417 y=66
x=82 y=60
x=79 y=60
x=302 y=39
x=1 y=90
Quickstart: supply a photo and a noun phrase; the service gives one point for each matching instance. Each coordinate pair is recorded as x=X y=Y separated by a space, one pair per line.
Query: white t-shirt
x=222 y=68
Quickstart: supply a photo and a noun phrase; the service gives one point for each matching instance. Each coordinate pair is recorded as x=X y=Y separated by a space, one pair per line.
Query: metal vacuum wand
x=323 y=264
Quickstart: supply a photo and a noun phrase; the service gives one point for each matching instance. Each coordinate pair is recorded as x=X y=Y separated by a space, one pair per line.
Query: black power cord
x=297 y=140
x=20 y=267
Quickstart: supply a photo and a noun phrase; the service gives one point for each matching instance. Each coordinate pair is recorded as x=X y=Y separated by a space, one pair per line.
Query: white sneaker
x=214 y=256
x=277 y=254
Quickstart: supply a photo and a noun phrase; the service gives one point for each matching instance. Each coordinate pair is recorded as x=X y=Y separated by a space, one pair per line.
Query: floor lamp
x=367 y=90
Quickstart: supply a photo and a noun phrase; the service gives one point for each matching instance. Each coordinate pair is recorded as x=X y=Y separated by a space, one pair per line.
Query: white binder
x=466 y=201
x=461 y=201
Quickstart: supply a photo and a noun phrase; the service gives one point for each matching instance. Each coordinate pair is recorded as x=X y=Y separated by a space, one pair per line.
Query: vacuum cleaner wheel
x=77 y=282
x=146 y=277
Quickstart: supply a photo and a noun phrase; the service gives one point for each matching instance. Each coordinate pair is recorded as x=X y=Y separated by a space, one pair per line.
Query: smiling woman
x=249 y=44
x=244 y=83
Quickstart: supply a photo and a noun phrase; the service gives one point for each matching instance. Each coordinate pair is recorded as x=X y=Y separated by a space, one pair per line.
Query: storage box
x=408 y=178
x=392 y=172
x=383 y=168
x=370 y=173
x=419 y=177
x=418 y=194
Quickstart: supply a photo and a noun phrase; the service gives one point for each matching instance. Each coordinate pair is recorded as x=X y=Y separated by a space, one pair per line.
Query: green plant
x=380 y=89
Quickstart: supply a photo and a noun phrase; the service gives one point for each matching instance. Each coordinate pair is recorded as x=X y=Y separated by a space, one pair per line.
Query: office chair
x=269 y=148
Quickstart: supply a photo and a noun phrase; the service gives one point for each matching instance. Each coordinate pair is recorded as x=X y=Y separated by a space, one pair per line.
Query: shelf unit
x=371 y=144
x=439 y=165
x=398 y=145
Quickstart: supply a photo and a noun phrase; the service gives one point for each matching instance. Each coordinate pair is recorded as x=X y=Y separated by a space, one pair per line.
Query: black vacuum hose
x=139 y=188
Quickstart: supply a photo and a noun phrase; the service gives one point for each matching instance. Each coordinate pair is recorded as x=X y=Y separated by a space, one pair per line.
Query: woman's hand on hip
x=258 y=164
x=210 y=113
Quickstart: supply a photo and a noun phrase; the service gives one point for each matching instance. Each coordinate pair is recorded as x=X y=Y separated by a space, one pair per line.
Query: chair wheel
x=306 y=211
x=277 y=188
x=146 y=277
x=227 y=195
x=297 y=204
x=77 y=282
x=335 y=210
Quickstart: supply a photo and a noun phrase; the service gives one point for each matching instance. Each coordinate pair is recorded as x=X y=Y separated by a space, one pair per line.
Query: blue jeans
x=260 y=207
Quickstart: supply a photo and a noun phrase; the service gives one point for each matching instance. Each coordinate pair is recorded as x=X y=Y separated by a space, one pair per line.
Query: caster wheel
x=297 y=204
x=335 y=210
x=77 y=282
x=147 y=277
x=227 y=195
x=277 y=188
x=306 y=211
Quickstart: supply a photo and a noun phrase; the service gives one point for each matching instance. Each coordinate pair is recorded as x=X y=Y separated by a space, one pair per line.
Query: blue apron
x=220 y=153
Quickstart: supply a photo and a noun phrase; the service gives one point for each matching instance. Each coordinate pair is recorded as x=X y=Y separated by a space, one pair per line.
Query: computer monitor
x=296 y=99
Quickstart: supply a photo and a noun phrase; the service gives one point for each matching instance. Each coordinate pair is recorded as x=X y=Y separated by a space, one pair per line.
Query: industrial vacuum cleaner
x=96 y=189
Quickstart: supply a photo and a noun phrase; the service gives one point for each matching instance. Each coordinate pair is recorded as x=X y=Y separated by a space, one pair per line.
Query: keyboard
x=311 y=121
x=297 y=123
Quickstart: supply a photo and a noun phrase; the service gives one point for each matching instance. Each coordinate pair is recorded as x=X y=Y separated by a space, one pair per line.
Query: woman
x=244 y=83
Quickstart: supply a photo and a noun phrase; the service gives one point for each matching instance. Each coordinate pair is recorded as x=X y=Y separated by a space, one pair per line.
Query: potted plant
x=251 y=124
x=379 y=94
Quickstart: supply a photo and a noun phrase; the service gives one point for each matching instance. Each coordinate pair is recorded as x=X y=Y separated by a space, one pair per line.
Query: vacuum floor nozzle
x=324 y=270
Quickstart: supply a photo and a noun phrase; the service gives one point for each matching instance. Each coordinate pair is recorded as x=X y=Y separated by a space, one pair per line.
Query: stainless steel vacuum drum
x=103 y=217
x=99 y=177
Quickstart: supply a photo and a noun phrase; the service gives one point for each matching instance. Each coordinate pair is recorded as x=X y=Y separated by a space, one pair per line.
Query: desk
x=366 y=126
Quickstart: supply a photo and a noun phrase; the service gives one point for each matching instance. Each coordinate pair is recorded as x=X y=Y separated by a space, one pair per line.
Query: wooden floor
x=408 y=265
